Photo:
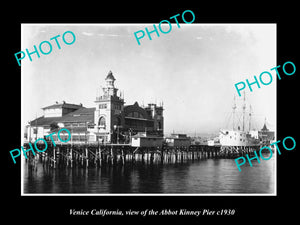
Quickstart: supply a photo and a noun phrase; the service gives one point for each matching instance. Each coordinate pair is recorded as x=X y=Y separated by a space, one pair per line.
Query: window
x=159 y=126
x=118 y=107
x=101 y=122
x=102 y=106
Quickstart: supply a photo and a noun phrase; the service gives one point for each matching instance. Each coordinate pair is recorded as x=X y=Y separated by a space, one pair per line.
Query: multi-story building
x=110 y=121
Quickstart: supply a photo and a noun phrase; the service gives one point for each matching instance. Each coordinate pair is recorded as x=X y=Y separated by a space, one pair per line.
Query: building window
x=101 y=122
x=159 y=126
x=118 y=107
x=102 y=106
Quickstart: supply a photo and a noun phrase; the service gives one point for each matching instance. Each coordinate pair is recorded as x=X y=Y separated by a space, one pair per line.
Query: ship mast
x=244 y=108
x=233 y=112
x=250 y=117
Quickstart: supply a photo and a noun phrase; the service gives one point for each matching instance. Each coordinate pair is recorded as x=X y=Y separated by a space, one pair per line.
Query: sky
x=192 y=70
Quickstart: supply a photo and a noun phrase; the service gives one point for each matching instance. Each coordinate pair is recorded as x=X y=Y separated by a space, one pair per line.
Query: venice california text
x=269 y=149
x=152 y=212
x=48 y=49
x=264 y=74
x=40 y=140
x=142 y=33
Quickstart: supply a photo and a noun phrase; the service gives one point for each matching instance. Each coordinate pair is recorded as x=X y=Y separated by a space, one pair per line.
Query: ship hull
x=238 y=138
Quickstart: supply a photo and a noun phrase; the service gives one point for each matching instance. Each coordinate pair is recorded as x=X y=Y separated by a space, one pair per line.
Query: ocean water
x=204 y=176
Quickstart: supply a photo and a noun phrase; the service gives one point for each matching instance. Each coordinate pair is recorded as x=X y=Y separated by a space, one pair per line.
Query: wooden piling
x=86 y=155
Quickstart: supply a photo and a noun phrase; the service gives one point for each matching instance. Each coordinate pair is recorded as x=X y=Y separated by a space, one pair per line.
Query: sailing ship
x=241 y=135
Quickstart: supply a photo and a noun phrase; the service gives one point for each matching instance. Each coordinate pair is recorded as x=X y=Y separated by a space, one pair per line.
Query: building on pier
x=71 y=116
x=110 y=121
x=178 y=140
x=144 y=140
x=265 y=135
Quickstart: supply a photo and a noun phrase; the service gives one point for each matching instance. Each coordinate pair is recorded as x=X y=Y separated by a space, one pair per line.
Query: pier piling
x=87 y=155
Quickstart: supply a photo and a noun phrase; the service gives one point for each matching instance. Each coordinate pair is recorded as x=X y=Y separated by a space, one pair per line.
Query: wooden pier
x=95 y=155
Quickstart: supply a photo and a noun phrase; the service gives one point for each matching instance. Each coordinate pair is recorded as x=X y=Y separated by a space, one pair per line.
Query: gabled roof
x=80 y=115
x=43 y=121
x=63 y=105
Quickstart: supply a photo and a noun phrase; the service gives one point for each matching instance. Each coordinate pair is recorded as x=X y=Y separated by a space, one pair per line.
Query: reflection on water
x=214 y=176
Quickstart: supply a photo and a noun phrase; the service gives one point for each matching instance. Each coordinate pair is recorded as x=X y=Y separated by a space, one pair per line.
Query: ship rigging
x=239 y=135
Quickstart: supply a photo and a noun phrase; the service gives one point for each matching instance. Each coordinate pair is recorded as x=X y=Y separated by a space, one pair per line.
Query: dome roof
x=110 y=76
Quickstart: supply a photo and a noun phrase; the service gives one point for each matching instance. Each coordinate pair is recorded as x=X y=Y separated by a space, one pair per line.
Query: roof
x=265 y=128
x=43 y=121
x=110 y=76
x=135 y=108
x=79 y=115
x=63 y=105
x=146 y=137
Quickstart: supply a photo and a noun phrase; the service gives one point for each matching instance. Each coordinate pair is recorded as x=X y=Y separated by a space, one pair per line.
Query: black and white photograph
x=159 y=117
x=149 y=113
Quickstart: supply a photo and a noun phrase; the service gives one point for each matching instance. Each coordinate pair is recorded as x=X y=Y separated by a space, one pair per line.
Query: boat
x=239 y=135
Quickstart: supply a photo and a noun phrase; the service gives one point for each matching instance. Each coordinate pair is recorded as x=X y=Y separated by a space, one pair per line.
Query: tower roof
x=265 y=128
x=110 y=76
